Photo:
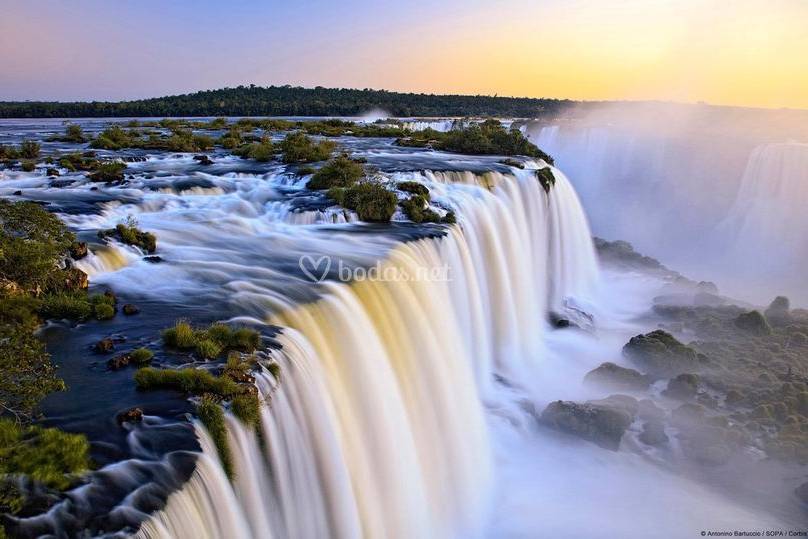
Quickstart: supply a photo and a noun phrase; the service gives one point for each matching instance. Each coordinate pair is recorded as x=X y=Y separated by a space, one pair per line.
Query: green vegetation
x=293 y=101
x=212 y=416
x=114 y=138
x=180 y=140
x=414 y=188
x=29 y=149
x=370 y=200
x=28 y=165
x=141 y=356
x=417 y=211
x=260 y=151
x=298 y=148
x=33 y=242
x=210 y=342
x=73 y=133
x=130 y=234
x=247 y=408
x=48 y=456
x=232 y=139
x=487 y=138
x=190 y=380
x=76 y=305
x=546 y=178
x=33 y=247
x=107 y=171
x=341 y=171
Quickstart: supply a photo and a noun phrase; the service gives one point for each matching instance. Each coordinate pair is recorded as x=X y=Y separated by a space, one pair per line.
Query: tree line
x=291 y=101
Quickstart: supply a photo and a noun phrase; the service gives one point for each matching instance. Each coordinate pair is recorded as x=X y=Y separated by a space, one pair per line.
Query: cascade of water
x=377 y=428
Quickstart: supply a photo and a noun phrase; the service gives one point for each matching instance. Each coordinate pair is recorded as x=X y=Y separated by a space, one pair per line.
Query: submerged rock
x=203 y=159
x=132 y=415
x=602 y=425
x=617 y=377
x=653 y=433
x=130 y=309
x=104 y=346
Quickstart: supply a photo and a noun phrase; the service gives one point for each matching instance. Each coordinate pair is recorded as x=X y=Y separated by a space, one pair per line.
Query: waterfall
x=377 y=426
x=762 y=236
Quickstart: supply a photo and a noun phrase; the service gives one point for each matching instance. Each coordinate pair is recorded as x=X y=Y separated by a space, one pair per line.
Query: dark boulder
x=683 y=387
x=104 y=346
x=52 y=172
x=75 y=279
x=753 y=322
x=132 y=415
x=153 y=259
x=130 y=309
x=78 y=250
x=616 y=377
x=661 y=354
x=203 y=159
x=598 y=424
x=778 y=311
x=118 y=362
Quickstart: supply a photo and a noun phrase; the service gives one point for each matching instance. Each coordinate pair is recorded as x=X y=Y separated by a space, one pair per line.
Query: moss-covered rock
x=753 y=322
x=616 y=377
x=602 y=425
x=682 y=387
x=661 y=354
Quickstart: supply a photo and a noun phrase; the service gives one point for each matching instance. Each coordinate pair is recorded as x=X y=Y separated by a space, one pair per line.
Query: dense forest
x=291 y=101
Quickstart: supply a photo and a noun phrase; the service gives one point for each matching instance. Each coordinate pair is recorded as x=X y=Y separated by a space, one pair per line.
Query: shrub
x=141 y=356
x=104 y=311
x=66 y=305
x=449 y=218
x=231 y=139
x=208 y=348
x=338 y=172
x=218 y=123
x=9 y=152
x=371 y=201
x=181 y=336
x=211 y=415
x=26 y=372
x=28 y=166
x=46 y=455
x=416 y=210
x=260 y=151
x=212 y=341
x=33 y=242
x=298 y=148
x=414 y=188
x=29 y=149
x=113 y=138
x=109 y=171
x=245 y=340
x=130 y=234
x=74 y=133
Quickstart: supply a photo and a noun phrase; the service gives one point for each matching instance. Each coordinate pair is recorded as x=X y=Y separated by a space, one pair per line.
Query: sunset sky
x=744 y=52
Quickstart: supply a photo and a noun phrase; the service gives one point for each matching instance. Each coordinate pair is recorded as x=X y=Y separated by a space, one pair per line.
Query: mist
x=713 y=192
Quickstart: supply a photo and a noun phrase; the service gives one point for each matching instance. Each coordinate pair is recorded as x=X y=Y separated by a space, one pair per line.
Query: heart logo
x=311 y=268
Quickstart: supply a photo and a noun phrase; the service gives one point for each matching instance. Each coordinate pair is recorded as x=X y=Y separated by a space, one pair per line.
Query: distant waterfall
x=377 y=426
